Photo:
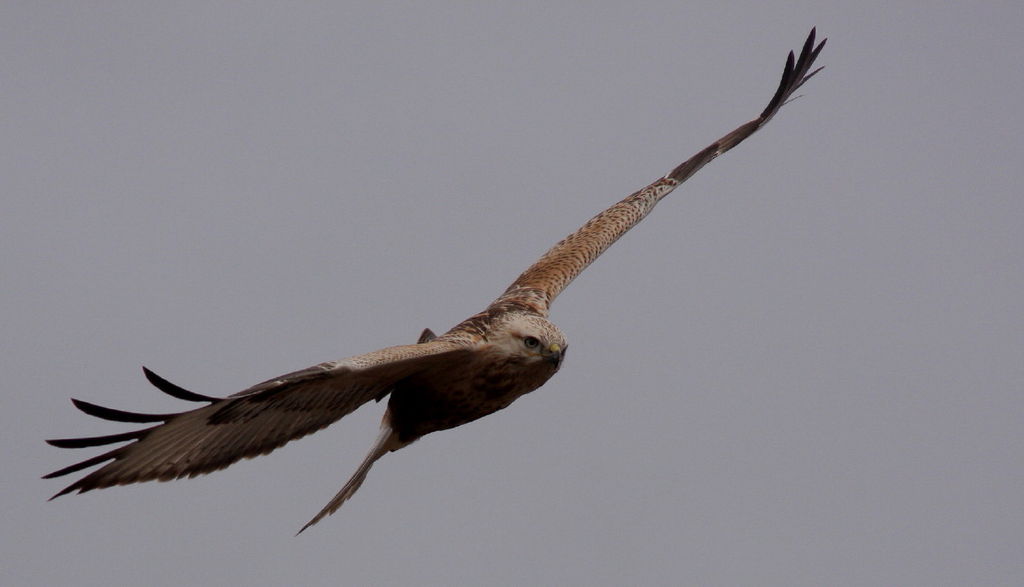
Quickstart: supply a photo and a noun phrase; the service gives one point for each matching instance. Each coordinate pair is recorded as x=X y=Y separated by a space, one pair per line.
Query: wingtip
x=174 y=390
x=65 y=491
x=426 y=336
x=810 y=48
x=56 y=495
x=114 y=415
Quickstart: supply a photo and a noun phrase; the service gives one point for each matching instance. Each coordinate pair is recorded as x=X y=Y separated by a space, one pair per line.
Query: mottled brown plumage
x=478 y=367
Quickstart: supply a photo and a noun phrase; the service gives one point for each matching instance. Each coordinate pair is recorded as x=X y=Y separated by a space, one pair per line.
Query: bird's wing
x=247 y=424
x=538 y=286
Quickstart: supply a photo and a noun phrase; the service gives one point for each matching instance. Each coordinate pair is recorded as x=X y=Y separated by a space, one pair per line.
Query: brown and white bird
x=478 y=367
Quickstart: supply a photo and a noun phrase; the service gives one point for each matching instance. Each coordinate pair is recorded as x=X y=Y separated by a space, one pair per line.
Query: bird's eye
x=531 y=342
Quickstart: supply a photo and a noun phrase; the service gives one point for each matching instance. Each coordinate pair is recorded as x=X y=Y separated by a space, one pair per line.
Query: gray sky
x=805 y=368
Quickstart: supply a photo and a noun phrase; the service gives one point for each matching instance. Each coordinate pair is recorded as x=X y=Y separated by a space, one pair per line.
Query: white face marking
x=528 y=335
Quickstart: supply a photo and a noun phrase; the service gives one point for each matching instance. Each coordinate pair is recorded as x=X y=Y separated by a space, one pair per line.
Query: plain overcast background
x=804 y=368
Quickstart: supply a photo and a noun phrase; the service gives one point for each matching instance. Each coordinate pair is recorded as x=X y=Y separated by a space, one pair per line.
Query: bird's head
x=530 y=338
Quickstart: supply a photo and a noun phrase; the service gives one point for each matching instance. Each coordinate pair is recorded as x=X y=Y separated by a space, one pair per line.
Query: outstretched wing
x=538 y=286
x=247 y=424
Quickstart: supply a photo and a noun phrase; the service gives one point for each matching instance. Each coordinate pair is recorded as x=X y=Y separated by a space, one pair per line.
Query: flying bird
x=478 y=367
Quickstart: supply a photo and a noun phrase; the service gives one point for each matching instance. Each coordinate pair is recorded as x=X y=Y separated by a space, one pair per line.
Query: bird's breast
x=430 y=402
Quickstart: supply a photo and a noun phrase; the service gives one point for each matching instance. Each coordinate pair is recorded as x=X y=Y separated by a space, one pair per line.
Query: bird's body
x=496 y=373
x=478 y=367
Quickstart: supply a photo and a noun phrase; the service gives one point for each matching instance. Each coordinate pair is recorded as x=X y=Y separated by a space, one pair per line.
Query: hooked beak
x=555 y=354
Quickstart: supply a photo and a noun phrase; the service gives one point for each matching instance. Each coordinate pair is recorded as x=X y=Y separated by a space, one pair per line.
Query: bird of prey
x=478 y=367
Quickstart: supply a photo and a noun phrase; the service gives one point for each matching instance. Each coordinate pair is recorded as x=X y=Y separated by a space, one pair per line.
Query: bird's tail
x=386 y=442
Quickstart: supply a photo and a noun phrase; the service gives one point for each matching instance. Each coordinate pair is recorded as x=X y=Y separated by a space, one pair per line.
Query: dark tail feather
x=175 y=391
x=118 y=415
